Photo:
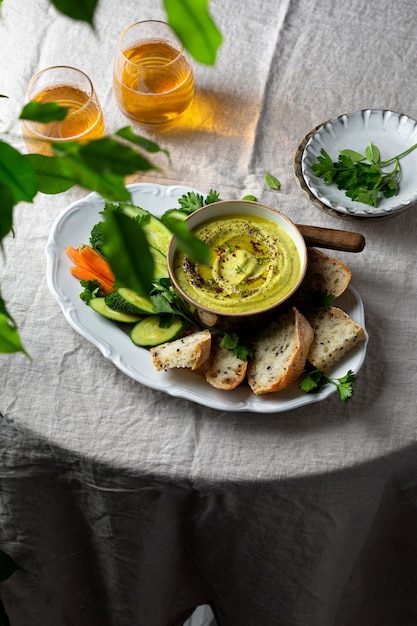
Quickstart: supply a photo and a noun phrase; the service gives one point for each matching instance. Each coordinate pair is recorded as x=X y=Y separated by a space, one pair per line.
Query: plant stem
x=399 y=156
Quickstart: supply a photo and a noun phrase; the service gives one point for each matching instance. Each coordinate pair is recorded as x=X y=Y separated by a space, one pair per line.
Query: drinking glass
x=71 y=88
x=153 y=80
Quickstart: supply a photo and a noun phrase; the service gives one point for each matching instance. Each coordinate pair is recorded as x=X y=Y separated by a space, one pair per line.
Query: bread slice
x=335 y=334
x=280 y=353
x=224 y=370
x=324 y=275
x=188 y=352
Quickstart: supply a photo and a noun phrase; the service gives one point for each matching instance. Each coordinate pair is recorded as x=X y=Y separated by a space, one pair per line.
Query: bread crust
x=280 y=353
x=335 y=334
x=189 y=352
x=224 y=370
x=325 y=275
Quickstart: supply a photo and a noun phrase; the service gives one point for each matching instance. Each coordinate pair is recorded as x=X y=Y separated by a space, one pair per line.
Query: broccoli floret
x=116 y=302
x=92 y=289
x=96 y=237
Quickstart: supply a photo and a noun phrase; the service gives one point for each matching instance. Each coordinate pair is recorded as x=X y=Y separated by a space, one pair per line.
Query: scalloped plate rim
x=72 y=226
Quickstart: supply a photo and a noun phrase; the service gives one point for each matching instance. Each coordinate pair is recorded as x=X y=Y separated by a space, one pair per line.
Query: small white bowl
x=391 y=132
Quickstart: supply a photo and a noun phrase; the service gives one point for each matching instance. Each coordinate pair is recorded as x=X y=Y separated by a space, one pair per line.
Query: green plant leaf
x=9 y=335
x=126 y=249
x=7 y=566
x=352 y=155
x=272 y=181
x=148 y=145
x=108 y=155
x=373 y=154
x=195 y=27
x=192 y=246
x=17 y=174
x=6 y=211
x=250 y=197
x=108 y=185
x=43 y=112
x=82 y=10
x=49 y=173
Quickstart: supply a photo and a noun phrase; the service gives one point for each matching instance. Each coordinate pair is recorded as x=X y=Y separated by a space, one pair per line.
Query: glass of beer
x=71 y=88
x=153 y=79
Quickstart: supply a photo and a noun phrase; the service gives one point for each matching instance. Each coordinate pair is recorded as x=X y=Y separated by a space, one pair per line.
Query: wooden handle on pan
x=332 y=238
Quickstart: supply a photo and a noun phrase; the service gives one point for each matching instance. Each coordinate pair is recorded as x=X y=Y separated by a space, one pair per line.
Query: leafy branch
x=100 y=165
x=316 y=380
x=361 y=176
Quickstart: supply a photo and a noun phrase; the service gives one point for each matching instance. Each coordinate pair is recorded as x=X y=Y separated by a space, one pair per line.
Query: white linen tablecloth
x=128 y=507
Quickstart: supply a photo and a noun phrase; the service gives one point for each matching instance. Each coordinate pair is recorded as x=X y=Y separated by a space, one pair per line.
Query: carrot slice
x=87 y=258
x=87 y=274
x=95 y=261
x=75 y=257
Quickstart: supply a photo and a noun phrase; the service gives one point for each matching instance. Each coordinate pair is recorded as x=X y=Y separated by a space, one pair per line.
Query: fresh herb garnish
x=92 y=289
x=191 y=201
x=361 y=176
x=165 y=300
x=233 y=342
x=272 y=181
x=315 y=380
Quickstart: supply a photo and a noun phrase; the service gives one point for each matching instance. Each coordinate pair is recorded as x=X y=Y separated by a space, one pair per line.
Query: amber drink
x=153 y=80
x=70 y=88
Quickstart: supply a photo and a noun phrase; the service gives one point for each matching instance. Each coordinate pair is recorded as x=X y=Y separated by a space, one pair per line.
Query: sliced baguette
x=188 y=352
x=280 y=353
x=224 y=370
x=324 y=275
x=335 y=334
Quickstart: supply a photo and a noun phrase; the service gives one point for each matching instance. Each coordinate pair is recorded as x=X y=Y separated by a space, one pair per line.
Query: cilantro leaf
x=361 y=177
x=314 y=381
x=92 y=289
x=212 y=196
x=233 y=342
x=191 y=201
x=345 y=385
x=165 y=300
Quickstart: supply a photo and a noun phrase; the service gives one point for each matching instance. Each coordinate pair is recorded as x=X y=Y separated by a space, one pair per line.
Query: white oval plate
x=73 y=226
x=391 y=132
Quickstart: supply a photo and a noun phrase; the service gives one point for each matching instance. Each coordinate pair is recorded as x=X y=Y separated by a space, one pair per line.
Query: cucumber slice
x=128 y=301
x=99 y=305
x=178 y=213
x=161 y=269
x=148 y=332
x=144 y=305
x=157 y=234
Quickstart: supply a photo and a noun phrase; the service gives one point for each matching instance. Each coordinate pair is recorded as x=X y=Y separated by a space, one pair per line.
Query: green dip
x=254 y=264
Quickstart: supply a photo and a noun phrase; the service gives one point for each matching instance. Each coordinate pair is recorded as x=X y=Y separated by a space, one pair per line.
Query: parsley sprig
x=315 y=380
x=361 y=176
x=191 y=201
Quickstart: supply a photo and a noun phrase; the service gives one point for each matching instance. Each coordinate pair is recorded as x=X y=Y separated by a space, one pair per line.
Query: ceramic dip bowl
x=258 y=259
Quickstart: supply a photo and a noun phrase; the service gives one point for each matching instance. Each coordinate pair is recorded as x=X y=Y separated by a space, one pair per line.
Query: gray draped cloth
x=128 y=507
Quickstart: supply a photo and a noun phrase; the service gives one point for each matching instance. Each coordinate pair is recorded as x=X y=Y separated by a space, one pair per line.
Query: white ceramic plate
x=73 y=227
x=391 y=132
